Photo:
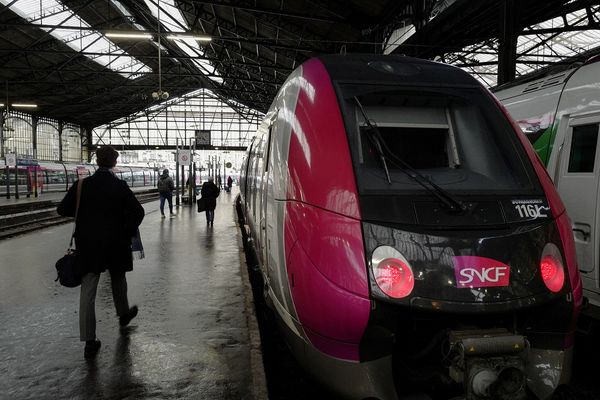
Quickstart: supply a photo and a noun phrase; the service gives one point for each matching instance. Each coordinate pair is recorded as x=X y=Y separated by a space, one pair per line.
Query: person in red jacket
x=108 y=218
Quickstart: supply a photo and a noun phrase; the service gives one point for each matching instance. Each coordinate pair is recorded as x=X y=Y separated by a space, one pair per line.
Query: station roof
x=56 y=53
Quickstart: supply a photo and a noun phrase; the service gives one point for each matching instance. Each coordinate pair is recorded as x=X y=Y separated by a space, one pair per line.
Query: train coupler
x=489 y=363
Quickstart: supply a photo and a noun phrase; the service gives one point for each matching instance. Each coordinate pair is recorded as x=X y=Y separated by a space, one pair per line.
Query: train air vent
x=532 y=86
x=554 y=80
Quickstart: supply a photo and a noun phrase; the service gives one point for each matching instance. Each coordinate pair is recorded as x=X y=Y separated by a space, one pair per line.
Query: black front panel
x=444 y=279
x=422 y=211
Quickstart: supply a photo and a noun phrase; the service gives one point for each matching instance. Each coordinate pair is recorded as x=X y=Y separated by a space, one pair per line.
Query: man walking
x=107 y=218
x=165 y=190
x=209 y=193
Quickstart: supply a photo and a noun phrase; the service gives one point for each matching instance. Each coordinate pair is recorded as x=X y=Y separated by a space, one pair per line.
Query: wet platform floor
x=194 y=337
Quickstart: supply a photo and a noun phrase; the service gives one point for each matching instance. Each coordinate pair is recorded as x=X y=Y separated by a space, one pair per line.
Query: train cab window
x=583 y=148
x=456 y=137
x=422 y=138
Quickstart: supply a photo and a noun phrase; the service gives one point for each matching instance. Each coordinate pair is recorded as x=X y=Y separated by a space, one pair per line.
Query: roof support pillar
x=507 y=52
x=88 y=143
x=2 y=134
x=60 y=141
x=34 y=128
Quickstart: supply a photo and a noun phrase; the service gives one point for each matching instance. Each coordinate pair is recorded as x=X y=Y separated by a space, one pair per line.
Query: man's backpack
x=163 y=185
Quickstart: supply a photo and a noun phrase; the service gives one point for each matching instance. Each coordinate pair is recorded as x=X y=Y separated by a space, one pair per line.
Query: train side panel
x=572 y=157
x=281 y=124
x=534 y=105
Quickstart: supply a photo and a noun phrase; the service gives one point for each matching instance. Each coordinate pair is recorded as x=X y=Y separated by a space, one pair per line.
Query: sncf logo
x=473 y=271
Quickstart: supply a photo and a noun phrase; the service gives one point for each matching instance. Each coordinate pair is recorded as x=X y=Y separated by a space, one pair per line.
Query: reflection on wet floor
x=189 y=340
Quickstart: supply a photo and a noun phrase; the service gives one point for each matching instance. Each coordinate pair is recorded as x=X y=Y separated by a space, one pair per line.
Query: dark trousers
x=210 y=215
x=169 y=198
x=87 y=301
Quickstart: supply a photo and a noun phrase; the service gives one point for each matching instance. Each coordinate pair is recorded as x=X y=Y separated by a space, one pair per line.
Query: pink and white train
x=410 y=241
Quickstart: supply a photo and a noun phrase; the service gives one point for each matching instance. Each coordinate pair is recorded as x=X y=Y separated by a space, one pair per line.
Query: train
x=58 y=176
x=560 y=115
x=410 y=242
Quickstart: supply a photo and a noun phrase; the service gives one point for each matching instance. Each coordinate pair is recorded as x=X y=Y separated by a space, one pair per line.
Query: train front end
x=445 y=264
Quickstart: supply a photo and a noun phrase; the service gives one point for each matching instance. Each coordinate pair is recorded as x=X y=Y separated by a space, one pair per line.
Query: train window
x=456 y=137
x=71 y=176
x=583 y=148
x=55 y=176
x=421 y=148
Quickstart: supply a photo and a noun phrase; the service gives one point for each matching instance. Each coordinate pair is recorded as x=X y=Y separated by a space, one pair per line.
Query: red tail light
x=394 y=277
x=552 y=269
x=553 y=273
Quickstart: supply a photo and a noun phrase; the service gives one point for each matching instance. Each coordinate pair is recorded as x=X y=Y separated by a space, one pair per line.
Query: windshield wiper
x=381 y=147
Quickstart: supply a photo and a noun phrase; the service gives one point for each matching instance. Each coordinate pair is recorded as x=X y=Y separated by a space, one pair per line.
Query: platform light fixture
x=128 y=35
x=191 y=37
x=159 y=94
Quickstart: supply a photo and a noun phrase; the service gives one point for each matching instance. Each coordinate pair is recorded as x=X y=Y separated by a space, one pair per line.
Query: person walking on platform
x=229 y=183
x=108 y=218
x=209 y=193
x=165 y=190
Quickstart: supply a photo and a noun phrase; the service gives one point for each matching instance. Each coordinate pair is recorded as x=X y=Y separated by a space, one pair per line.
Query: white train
x=560 y=114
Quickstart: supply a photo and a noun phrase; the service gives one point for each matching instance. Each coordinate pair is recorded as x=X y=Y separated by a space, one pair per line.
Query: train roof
x=394 y=68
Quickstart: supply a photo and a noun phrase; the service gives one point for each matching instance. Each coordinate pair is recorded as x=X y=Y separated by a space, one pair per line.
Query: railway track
x=28 y=217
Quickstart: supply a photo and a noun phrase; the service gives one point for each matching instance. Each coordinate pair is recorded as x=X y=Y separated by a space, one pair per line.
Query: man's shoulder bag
x=201 y=205
x=66 y=268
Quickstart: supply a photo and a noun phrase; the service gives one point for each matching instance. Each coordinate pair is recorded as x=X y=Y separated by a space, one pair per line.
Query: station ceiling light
x=128 y=35
x=191 y=37
x=24 y=105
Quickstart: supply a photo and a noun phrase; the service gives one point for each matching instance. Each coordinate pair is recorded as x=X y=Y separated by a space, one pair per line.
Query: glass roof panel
x=52 y=12
x=173 y=21
x=535 y=50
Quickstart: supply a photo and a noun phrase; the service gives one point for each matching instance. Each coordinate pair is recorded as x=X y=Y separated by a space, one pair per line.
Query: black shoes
x=125 y=319
x=91 y=348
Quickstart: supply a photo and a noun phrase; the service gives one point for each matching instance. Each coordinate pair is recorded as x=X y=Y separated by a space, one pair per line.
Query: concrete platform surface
x=194 y=337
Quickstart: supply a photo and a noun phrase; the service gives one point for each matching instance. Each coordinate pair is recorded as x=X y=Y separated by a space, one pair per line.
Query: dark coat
x=209 y=193
x=165 y=184
x=109 y=215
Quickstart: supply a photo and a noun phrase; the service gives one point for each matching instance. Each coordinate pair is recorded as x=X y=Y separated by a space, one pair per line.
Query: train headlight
x=552 y=269
x=392 y=272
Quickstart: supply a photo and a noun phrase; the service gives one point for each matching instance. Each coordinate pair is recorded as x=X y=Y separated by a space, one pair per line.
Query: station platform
x=195 y=336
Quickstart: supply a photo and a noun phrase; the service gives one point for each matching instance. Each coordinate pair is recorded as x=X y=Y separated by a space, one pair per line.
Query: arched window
x=48 y=146
x=71 y=144
x=18 y=135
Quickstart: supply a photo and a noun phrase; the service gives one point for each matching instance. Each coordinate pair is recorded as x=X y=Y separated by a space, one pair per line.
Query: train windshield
x=454 y=137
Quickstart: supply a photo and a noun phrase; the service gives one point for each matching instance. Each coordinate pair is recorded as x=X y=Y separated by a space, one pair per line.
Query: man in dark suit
x=107 y=219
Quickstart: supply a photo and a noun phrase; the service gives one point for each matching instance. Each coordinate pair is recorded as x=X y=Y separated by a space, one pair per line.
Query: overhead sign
x=11 y=160
x=202 y=137
x=184 y=157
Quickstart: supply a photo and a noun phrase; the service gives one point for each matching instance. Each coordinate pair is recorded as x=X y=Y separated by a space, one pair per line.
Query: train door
x=578 y=186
